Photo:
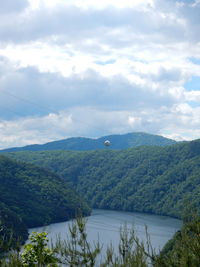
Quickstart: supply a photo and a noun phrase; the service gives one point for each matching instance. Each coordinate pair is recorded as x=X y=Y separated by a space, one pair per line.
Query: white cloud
x=120 y=64
x=95 y=4
x=193 y=96
x=27 y=91
x=93 y=122
x=10 y=6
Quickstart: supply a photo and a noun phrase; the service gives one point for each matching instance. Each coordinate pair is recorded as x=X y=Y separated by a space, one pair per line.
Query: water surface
x=104 y=225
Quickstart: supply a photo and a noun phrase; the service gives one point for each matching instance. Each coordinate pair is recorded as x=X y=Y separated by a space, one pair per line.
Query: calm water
x=103 y=225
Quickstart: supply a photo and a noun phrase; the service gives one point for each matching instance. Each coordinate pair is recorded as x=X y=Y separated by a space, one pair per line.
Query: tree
x=37 y=253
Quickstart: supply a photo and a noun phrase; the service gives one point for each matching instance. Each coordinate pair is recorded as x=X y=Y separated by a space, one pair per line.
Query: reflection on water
x=104 y=225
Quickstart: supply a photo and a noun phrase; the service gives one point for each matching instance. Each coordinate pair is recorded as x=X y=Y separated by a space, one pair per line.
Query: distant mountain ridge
x=122 y=141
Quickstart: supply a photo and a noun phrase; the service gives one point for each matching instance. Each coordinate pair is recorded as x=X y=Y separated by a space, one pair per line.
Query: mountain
x=146 y=179
x=32 y=196
x=81 y=143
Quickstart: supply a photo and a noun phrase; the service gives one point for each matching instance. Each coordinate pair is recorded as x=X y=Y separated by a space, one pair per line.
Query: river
x=104 y=225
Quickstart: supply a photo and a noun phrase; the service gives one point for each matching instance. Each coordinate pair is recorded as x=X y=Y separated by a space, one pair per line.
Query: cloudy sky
x=93 y=68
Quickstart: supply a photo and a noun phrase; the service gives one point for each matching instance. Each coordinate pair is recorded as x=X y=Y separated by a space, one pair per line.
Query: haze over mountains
x=123 y=141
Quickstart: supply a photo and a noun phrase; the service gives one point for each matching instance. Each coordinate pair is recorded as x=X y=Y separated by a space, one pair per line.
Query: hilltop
x=123 y=141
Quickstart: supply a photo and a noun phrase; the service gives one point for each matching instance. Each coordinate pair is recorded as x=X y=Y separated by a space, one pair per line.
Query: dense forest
x=32 y=196
x=146 y=179
x=151 y=179
x=123 y=141
x=13 y=231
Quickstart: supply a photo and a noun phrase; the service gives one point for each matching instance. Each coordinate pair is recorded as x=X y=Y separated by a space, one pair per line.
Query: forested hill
x=146 y=179
x=32 y=196
x=12 y=229
x=117 y=142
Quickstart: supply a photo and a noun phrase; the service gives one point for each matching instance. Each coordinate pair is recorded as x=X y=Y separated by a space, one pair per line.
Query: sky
x=93 y=68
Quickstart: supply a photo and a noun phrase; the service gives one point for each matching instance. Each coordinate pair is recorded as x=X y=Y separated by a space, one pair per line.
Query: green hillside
x=117 y=142
x=12 y=230
x=32 y=196
x=146 y=179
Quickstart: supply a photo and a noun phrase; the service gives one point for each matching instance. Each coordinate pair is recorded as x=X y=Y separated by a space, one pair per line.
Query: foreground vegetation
x=182 y=251
x=31 y=196
x=144 y=179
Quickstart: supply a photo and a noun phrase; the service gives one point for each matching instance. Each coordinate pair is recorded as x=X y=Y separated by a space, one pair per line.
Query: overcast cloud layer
x=92 y=68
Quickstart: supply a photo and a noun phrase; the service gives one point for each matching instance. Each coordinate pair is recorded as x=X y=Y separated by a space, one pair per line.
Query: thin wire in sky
x=47 y=109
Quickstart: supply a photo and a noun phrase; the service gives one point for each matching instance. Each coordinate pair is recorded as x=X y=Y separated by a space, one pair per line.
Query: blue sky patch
x=105 y=62
x=193 y=104
x=193 y=84
x=195 y=60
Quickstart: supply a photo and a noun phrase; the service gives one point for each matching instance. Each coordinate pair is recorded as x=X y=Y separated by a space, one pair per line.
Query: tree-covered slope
x=117 y=142
x=147 y=179
x=13 y=231
x=35 y=196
